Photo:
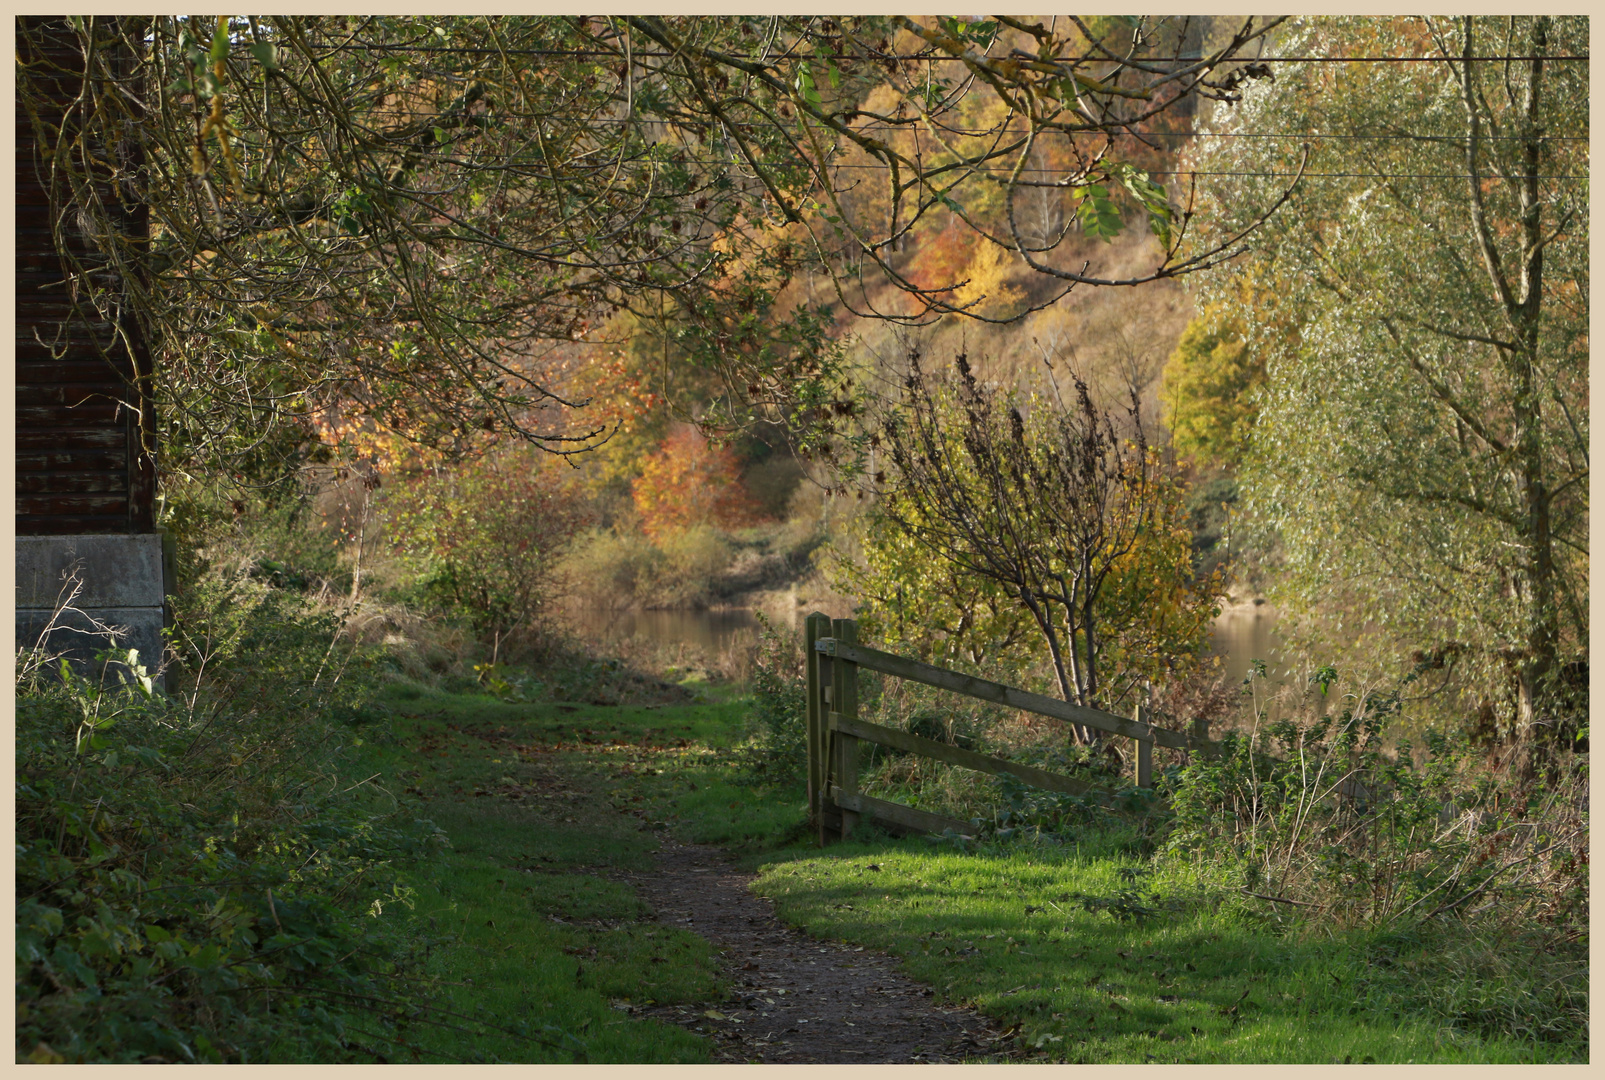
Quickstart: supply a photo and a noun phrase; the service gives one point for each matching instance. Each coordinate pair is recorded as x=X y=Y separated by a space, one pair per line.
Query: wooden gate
x=833 y=657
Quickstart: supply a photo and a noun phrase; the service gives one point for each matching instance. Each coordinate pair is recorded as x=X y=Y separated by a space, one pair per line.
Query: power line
x=1396 y=59
x=1303 y=136
x=949 y=169
x=618 y=54
x=1309 y=135
x=1362 y=175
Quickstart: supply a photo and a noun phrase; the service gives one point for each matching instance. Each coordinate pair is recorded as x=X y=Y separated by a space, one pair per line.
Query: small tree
x=1208 y=392
x=690 y=481
x=488 y=536
x=925 y=604
x=1079 y=525
x=1421 y=454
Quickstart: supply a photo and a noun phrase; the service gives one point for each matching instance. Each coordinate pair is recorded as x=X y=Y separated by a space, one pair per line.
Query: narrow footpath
x=794 y=998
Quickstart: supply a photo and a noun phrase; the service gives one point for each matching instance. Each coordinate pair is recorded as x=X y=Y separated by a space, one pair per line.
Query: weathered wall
x=120 y=582
x=84 y=452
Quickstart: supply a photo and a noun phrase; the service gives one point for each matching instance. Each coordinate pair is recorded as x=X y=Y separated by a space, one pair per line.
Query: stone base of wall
x=121 y=582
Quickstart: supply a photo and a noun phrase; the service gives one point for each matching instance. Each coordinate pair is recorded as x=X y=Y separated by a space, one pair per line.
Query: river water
x=1243 y=632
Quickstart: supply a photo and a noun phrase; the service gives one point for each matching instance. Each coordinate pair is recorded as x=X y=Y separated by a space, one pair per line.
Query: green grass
x=524 y=931
x=536 y=943
x=1202 y=980
x=542 y=802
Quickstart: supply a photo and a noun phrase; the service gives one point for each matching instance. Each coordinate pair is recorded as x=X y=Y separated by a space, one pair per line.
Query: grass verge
x=1050 y=941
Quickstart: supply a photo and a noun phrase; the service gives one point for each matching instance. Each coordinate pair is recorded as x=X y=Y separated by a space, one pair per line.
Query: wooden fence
x=833 y=657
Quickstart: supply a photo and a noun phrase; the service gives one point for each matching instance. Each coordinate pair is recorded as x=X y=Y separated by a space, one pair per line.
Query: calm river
x=1243 y=632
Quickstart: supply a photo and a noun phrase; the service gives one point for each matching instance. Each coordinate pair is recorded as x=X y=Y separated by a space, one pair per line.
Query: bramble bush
x=1331 y=826
x=1322 y=809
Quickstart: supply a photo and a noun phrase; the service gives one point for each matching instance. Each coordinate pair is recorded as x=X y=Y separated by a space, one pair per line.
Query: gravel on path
x=795 y=998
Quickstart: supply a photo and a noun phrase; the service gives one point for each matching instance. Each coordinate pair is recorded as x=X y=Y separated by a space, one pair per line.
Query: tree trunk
x=1522 y=300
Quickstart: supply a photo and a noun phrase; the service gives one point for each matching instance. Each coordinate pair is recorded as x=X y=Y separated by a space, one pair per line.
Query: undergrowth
x=196 y=880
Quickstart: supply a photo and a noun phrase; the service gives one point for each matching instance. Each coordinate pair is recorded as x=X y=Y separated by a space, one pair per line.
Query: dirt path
x=795 y=999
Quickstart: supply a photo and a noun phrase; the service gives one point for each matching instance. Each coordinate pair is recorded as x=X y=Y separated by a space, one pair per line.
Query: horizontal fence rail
x=1010 y=696
x=833 y=657
x=955 y=755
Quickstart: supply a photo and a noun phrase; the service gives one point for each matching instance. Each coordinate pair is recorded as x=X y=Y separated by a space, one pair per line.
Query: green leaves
x=220 y=41
x=1097 y=213
x=1064 y=89
x=1151 y=196
x=1324 y=676
x=1100 y=215
x=805 y=85
x=980 y=33
x=351 y=209
x=266 y=54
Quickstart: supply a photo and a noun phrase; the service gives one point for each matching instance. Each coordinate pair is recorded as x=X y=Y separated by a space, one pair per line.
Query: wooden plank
x=73 y=436
x=42 y=337
x=811 y=681
x=1009 y=696
x=919 y=820
x=88 y=372
x=1145 y=752
x=844 y=696
x=73 y=506
x=847 y=754
x=57 y=396
x=72 y=524
x=107 y=412
x=69 y=460
x=954 y=755
x=78 y=483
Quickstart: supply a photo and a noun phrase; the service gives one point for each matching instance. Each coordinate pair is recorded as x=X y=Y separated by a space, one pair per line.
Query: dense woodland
x=1033 y=343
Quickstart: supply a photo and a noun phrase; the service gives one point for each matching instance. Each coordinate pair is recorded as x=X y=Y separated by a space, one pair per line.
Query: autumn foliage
x=487 y=538
x=690 y=481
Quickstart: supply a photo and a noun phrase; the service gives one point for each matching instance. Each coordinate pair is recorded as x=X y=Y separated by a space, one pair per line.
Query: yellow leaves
x=988 y=287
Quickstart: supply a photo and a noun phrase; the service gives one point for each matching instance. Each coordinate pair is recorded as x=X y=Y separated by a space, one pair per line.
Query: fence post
x=815 y=627
x=1145 y=751
x=845 y=694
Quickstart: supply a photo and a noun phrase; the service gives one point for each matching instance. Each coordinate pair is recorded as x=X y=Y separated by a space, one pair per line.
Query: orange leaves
x=690 y=481
x=940 y=257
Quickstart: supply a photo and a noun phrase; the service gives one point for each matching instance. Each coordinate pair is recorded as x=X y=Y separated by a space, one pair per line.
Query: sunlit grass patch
x=1103 y=959
x=1098 y=949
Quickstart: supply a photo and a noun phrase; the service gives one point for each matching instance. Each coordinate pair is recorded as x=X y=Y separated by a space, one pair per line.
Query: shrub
x=693 y=557
x=1320 y=811
x=487 y=538
x=612 y=570
x=778 y=751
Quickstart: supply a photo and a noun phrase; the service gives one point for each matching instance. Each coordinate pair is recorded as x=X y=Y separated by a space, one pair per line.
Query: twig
x=1280 y=899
